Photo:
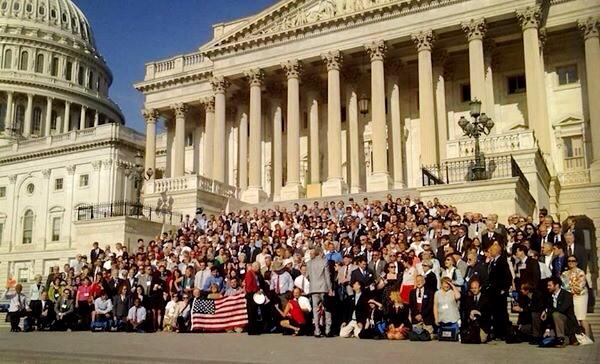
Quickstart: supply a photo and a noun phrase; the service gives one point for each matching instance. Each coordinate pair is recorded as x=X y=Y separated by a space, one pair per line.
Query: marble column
x=475 y=30
x=150 y=117
x=590 y=29
x=530 y=18
x=352 y=78
x=395 y=140
x=313 y=189
x=276 y=91
x=429 y=148
x=219 y=85
x=335 y=185
x=255 y=192
x=209 y=131
x=49 y=101
x=178 y=160
x=82 y=118
x=243 y=149
x=28 y=116
x=8 y=119
x=379 y=179
x=293 y=189
x=439 y=60
x=67 y=121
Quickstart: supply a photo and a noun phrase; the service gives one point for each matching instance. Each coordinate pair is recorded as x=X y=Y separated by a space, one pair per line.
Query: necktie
x=476 y=299
x=571 y=250
x=277 y=284
x=135 y=316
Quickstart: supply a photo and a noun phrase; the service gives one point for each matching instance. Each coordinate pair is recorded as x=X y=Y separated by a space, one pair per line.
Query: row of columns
x=432 y=126
x=11 y=117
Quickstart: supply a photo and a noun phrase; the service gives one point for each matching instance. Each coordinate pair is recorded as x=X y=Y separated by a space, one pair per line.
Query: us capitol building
x=306 y=100
x=63 y=143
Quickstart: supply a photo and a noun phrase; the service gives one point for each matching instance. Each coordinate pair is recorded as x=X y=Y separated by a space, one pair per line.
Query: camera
x=199 y=210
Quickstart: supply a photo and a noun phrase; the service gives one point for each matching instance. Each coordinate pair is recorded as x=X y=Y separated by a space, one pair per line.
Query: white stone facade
x=273 y=105
x=62 y=142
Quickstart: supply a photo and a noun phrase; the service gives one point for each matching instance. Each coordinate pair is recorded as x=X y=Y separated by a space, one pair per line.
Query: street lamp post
x=136 y=172
x=481 y=124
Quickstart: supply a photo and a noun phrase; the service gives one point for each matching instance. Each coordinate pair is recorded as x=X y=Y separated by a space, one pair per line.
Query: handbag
x=448 y=332
x=381 y=327
x=583 y=339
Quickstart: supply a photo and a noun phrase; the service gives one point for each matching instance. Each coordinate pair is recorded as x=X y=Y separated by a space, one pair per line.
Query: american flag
x=221 y=314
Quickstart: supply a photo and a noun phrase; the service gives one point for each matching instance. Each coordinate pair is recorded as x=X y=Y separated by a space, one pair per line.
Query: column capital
x=474 y=28
x=255 y=77
x=333 y=60
x=180 y=110
x=589 y=27
x=424 y=40
x=150 y=115
x=529 y=16
x=292 y=68
x=96 y=165
x=71 y=168
x=12 y=179
x=219 y=84
x=46 y=173
x=209 y=104
x=376 y=50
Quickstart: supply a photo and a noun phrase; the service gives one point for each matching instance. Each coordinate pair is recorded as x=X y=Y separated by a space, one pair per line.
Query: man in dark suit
x=356 y=309
x=527 y=270
x=560 y=311
x=362 y=273
x=476 y=269
x=250 y=251
x=499 y=283
x=420 y=301
x=490 y=235
x=476 y=307
x=577 y=249
x=95 y=252
x=555 y=235
x=463 y=242
x=431 y=280
x=121 y=303
x=42 y=313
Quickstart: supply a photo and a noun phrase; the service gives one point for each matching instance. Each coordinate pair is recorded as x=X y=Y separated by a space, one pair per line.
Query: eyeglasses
x=571 y=261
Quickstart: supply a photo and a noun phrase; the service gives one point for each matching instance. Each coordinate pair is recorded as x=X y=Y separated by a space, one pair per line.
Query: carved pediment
x=567 y=120
x=290 y=16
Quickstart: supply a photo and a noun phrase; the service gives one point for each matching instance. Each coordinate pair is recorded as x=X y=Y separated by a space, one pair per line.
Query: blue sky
x=130 y=33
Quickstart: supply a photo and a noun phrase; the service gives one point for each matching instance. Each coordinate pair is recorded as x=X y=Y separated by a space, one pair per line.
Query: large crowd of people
x=395 y=269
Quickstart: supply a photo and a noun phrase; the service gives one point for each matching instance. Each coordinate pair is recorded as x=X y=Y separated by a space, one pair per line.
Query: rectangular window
x=516 y=84
x=567 y=75
x=465 y=92
x=84 y=180
x=56 y=222
x=23 y=275
x=58 y=184
x=2 y=192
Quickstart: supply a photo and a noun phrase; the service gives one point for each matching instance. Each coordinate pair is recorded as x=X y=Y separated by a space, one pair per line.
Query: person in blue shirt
x=333 y=254
x=213 y=279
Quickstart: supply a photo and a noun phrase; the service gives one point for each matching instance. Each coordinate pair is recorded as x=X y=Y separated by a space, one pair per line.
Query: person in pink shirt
x=83 y=301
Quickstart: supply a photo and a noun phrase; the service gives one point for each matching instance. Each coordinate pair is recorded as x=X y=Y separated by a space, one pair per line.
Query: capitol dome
x=53 y=80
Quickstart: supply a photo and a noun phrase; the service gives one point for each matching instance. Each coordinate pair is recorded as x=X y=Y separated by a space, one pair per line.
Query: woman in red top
x=96 y=288
x=293 y=316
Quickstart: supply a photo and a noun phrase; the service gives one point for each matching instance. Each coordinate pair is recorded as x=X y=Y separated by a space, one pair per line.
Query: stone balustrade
x=100 y=133
x=574 y=177
x=492 y=144
x=175 y=65
x=190 y=182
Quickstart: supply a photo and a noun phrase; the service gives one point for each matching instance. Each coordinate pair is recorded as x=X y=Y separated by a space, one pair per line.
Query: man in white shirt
x=136 y=317
x=301 y=281
x=103 y=308
x=201 y=275
x=19 y=307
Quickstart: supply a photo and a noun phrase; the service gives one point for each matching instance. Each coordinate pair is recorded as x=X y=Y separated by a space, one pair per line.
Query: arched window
x=7 y=59
x=36 y=128
x=39 y=63
x=27 y=227
x=24 y=64
x=54 y=68
x=20 y=117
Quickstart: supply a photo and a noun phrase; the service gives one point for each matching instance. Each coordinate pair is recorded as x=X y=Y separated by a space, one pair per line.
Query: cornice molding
x=173 y=81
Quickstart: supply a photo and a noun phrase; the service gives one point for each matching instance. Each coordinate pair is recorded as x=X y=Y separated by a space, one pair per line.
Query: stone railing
x=175 y=65
x=492 y=144
x=574 y=177
x=191 y=182
x=100 y=133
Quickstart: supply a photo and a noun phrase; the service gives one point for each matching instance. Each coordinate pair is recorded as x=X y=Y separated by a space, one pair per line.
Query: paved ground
x=240 y=348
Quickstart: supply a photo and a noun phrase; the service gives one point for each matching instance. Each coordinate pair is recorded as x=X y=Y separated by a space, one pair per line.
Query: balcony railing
x=502 y=143
x=128 y=209
x=177 y=64
x=462 y=171
x=191 y=182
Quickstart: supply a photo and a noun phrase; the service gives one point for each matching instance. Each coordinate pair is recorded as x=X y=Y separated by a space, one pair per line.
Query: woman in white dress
x=575 y=282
